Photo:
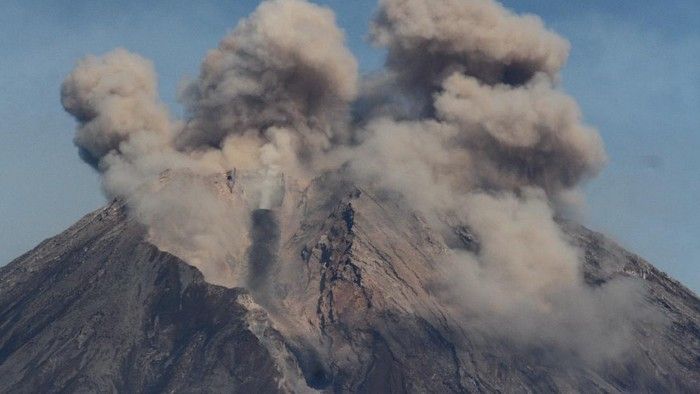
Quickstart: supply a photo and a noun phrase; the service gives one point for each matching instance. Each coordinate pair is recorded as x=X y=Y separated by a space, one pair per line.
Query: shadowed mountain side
x=97 y=309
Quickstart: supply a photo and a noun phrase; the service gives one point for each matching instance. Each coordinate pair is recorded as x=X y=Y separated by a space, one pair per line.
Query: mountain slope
x=97 y=309
x=368 y=289
x=347 y=305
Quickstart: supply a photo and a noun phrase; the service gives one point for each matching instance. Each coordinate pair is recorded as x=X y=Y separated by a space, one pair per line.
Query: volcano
x=343 y=305
x=305 y=227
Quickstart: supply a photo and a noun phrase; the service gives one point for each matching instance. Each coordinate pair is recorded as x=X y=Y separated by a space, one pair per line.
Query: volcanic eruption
x=306 y=228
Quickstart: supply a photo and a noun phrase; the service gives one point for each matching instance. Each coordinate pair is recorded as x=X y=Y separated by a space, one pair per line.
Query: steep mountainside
x=345 y=304
x=97 y=309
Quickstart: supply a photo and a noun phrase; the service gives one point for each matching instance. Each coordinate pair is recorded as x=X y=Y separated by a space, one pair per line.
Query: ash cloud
x=429 y=41
x=530 y=135
x=285 y=66
x=466 y=121
x=274 y=94
x=473 y=126
x=114 y=99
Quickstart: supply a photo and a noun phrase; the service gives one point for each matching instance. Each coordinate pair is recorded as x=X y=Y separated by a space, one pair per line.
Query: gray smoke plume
x=530 y=135
x=126 y=132
x=275 y=93
x=467 y=121
x=472 y=126
x=286 y=67
x=114 y=98
x=429 y=41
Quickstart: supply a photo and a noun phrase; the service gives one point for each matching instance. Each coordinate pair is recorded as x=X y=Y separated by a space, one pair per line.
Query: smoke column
x=262 y=255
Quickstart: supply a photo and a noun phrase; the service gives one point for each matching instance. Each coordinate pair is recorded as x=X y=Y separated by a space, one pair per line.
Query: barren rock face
x=346 y=302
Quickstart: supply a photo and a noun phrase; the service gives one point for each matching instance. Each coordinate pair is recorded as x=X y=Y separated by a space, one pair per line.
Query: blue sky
x=633 y=68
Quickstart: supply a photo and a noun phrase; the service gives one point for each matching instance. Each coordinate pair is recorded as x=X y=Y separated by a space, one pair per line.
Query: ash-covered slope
x=351 y=306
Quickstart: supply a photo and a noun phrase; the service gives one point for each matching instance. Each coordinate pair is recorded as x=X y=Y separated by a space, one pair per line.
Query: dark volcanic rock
x=97 y=309
x=350 y=305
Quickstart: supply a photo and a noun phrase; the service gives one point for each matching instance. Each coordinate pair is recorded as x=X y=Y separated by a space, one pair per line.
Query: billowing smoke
x=286 y=67
x=499 y=147
x=273 y=95
x=530 y=135
x=114 y=98
x=467 y=121
x=429 y=41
